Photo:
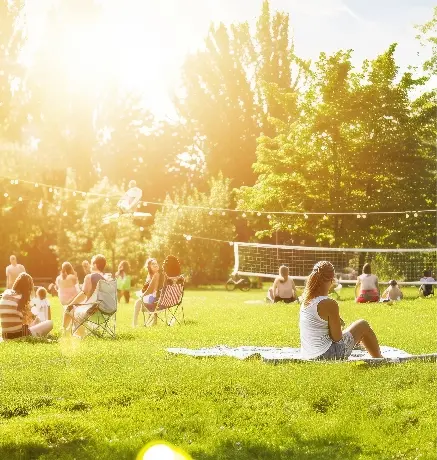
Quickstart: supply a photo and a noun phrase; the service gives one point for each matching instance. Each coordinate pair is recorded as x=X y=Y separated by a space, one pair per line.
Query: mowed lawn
x=105 y=399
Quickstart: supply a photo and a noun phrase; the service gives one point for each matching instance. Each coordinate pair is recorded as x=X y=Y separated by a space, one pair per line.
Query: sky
x=159 y=34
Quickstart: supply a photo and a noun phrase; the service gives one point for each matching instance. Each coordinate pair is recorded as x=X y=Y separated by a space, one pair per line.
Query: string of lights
x=219 y=211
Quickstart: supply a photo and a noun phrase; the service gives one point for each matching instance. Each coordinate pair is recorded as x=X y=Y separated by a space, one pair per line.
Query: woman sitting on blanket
x=148 y=293
x=367 y=288
x=320 y=324
x=283 y=289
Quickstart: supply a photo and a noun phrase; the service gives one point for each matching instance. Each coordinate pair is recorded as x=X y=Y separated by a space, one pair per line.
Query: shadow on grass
x=337 y=448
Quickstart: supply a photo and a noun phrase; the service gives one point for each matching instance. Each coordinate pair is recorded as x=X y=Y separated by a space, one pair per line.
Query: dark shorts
x=280 y=299
x=16 y=335
x=339 y=350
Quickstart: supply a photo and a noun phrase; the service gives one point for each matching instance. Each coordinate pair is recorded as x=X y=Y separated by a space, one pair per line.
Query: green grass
x=105 y=399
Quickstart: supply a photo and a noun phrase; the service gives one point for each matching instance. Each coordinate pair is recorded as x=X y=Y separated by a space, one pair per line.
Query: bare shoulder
x=328 y=306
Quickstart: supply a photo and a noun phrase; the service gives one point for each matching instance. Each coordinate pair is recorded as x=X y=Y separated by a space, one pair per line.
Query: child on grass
x=393 y=292
x=41 y=307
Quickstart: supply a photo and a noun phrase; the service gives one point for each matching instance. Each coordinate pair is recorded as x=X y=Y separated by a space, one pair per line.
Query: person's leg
x=42 y=328
x=270 y=296
x=119 y=295
x=68 y=318
x=362 y=332
x=137 y=308
x=126 y=296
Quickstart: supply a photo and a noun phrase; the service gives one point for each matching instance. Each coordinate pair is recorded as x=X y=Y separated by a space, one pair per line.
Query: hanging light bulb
x=20 y=198
x=358 y=216
x=65 y=214
x=258 y=214
x=12 y=181
x=5 y=195
x=36 y=185
x=305 y=216
x=40 y=205
x=244 y=214
x=407 y=215
x=16 y=181
x=231 y=243
x=364 y=216
x=325 y=217
x=269 y=216
x=188 y=237
x=223 y=213
x=416 y=214
x=141 y=229
x=58 y=208
x=50 y=190
x=210 y=213
x=144 y=203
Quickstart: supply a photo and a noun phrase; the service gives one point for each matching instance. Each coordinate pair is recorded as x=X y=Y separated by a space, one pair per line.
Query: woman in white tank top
x=367 y=288
x=320 y=324
x=283 y=289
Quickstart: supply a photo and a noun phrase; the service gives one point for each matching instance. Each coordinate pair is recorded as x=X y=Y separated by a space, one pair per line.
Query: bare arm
x=8 y=284
x=357 y=288
x=153 y=285
x=334 y=321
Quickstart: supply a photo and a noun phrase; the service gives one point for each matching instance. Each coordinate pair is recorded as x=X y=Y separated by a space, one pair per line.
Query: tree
x=228 y=90
x=87 y=234
x=356 y=146
x=187 y=226
x=428 y=34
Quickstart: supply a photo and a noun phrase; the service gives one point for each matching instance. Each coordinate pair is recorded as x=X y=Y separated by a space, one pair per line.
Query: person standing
x=12 y=271
x=123 y=281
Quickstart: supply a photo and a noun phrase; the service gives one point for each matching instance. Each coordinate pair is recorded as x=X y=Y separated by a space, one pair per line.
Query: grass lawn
x=105 y=399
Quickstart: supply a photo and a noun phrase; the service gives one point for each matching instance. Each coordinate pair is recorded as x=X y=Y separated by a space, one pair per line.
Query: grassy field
x=105 y=399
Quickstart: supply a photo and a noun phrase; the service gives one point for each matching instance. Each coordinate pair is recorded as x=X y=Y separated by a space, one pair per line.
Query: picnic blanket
x=276 y=355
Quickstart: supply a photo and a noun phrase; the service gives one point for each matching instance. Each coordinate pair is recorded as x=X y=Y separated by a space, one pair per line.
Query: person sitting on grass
x=148 y=293
x=86 y=296
x=283 y=289
x=367 y=288
x=15 y=312
x=321 y=336
x=393 y=292
x=41 y=307
x=426 y=290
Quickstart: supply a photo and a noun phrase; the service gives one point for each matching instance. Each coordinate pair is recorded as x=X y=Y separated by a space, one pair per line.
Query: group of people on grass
x=322 y=332
x=366 y=288
x=25 y=311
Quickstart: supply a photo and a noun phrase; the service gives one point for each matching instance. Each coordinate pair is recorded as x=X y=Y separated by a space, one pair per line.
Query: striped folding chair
x=168 y=305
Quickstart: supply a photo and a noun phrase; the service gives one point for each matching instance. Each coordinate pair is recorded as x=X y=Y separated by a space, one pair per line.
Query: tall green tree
x=357 y=146
x=428 y=36
x=188 y=233
x=229 y=87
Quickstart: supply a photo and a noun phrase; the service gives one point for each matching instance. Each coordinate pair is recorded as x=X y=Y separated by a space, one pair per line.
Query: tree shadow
x=333 y=448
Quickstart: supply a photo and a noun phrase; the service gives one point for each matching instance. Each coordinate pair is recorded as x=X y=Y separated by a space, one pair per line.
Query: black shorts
x=280 y=299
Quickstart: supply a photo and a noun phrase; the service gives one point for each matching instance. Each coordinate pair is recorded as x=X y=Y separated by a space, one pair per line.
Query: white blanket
x=276 y=355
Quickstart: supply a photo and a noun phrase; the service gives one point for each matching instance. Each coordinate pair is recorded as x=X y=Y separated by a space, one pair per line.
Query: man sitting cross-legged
x=80 y=306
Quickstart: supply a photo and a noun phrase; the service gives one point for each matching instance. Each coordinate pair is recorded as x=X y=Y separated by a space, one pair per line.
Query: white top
x=368 y=282
x=314 y=331
x=40 y=308
x=428 y=279
x=285 y=290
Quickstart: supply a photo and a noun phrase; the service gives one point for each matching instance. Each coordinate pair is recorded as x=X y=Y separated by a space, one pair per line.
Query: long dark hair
x=67 y=269
x=24 y=285
x=123 y=268
x=149 y=267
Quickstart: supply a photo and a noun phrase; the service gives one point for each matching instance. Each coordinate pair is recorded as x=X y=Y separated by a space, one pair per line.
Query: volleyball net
x=406 y=266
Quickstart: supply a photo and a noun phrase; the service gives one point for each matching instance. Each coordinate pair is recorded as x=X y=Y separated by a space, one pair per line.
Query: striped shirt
x=11 y=319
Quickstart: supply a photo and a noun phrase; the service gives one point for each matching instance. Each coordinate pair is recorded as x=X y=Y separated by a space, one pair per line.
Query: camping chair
x=100 y=316
x=169 y=296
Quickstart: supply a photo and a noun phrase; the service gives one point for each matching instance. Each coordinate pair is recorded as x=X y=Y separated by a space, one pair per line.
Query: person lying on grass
x=321 y=336
x=15 y=311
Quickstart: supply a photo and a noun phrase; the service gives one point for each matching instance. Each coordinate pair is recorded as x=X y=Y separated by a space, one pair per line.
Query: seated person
x=283 y=289
x=335 y=287
x=367 y=288
x=78 y=306
x=15 y=311
x=426 y=290
x=148 y=293
x=320 y=324
x=41 y=307
x=393 y=292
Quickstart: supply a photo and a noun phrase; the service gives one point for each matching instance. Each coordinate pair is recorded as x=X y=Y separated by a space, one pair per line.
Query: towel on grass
x=285 y=354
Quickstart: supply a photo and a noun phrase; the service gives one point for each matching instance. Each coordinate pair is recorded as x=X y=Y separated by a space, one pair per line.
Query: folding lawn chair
x=168 y=304
x=99 y=316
